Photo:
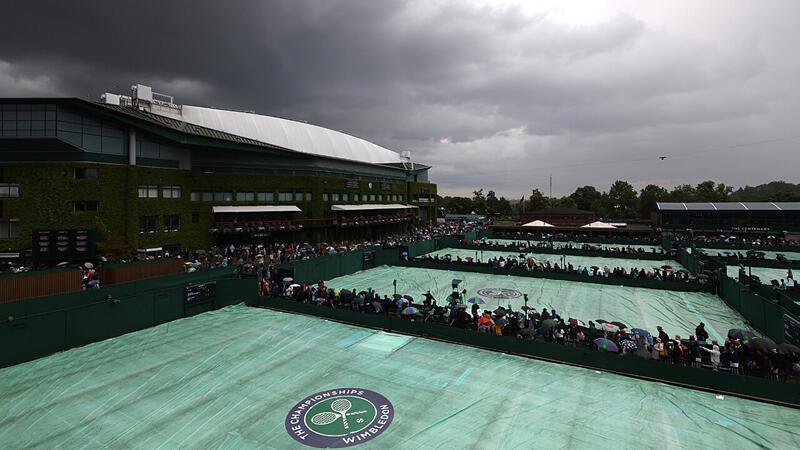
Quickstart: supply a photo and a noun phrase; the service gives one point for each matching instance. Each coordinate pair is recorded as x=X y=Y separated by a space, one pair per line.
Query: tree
x=682 y=193
x=565 y=202
x=479 y=202
x=585 y=196
x=707 y=192
x=622 y=199
x=504 y=206
x=492 y=204
x=537 y=200
x=649 y=196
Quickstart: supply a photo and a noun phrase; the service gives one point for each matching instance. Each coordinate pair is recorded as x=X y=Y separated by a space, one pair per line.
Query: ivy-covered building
x=144 y=172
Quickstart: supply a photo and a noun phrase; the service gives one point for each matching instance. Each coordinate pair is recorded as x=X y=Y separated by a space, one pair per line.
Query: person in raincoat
x=658 y=348
x=713 y=354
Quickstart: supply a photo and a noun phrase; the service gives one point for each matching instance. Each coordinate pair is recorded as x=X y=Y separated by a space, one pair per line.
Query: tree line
x=621 y=201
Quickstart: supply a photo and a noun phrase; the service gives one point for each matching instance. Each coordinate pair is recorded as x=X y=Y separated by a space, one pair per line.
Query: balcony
x=360 y=221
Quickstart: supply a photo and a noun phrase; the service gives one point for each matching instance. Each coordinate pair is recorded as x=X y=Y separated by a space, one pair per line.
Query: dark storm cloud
x=492 y=96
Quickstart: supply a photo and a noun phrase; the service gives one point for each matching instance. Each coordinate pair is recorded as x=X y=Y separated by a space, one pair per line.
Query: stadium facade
x=161 y=175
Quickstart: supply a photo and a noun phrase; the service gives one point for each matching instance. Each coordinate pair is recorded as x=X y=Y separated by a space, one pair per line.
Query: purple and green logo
x=339 y=418
x=499 y=293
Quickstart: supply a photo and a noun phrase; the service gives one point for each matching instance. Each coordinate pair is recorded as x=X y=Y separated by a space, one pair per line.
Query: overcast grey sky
x=496 y=94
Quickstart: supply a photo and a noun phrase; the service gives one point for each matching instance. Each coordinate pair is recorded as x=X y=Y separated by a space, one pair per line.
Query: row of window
x=9 y=228
x=9 y=190
x=151 y=191
x=336 y=197
x=149 y=224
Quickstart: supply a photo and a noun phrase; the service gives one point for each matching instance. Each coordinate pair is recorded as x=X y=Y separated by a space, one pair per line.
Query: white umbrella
x=88 y=265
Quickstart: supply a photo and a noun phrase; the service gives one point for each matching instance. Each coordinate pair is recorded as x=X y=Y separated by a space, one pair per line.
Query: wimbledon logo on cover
x=339 y=418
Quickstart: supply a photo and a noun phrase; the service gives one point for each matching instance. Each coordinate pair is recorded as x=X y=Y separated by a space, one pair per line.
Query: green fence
x=745 y=386
x=571 y=276
x=646 y=256
x=36 y=327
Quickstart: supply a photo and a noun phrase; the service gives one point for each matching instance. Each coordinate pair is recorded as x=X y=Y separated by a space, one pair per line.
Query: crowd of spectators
x=742 y=352
x=767 y=240
x=663 y=273
x=555 y=245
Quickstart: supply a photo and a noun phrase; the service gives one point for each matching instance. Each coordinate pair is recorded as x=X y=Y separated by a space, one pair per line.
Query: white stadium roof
x=289 y=134
x=370 y=207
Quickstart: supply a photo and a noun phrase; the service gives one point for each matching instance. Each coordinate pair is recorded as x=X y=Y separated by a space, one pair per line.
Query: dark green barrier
x=630 y=282
x=646 y=256
x=587 y=239
x=37 y=327
x=750 y=387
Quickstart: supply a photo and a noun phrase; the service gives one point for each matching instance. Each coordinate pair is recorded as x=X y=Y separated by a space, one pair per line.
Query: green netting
x=576 y=261
x=763 y=273
x=794 y=256
x=228 y=379
x=647 y=248
x=677 y=312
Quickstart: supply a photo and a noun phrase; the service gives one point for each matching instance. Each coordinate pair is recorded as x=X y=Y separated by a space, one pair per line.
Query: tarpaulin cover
x=229 y=379
x=677 y=312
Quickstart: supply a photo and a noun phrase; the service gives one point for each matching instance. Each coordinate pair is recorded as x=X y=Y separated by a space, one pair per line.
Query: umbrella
x=577 y=322
x=549 y=323
x=531 y=259
x=405 y=253
x=288 y=250
x=620 y=324
x=682 y=271
x=288 y=280
x=500 y=311
x=788 y=348
x=761 y=344
x=92 y=283
x=606 y=344
x=608 y=327
x=501 y=321
x=409 y=311
x=294 y=285
x=666 y=267
x=62 y=264
x=88 y=265
x=396 y=296
x=742 y=335
x=527 y=308
x=599 y=321
x=628 y=344
x=595 y=268
x=640 y=332
x=477 y=300
x=468 y=258
x=409 y=298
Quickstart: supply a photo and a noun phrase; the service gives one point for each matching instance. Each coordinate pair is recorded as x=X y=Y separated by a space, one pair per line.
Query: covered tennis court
x=232 y=378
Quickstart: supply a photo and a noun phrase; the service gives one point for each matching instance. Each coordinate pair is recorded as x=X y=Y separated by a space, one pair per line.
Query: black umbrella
x=409 y=298
x=595 y=268
x=500 y=311
x=788 y=348
x=396 y=296
x=527 y=308
x=666 y=267
x=761 y=344
x=620 y=325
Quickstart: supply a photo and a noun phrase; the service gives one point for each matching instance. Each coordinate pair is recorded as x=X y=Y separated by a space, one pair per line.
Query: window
x=171 y=192
x=372 y=197
x=85 y=172
x=223 y=196
x=245 y=196
x=9 y=228
x=148 y=191
x=380 y=197
x=172 y=222
x=266 y=197
x=345 y=197
x=208 y=196
x=325 y=196
x=394 y=198
x=195 y=218
x=195 y=196
x=148 y=224
x=84 y=205
x=285 y=196
x=9 y=190
x=401 y=197
x=308 y=196
x=335 y=196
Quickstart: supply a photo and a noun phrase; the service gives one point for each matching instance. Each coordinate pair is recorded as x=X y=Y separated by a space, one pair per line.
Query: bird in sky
x=662 y=157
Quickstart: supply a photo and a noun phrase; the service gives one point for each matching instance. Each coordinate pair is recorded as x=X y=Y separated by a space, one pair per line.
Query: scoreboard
x=199 y=293
x=69 y=244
